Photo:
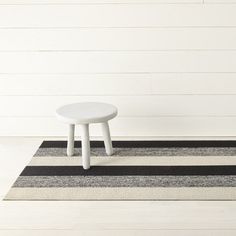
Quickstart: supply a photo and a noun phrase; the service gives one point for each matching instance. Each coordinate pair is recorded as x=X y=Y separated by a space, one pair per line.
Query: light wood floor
x=102 y=218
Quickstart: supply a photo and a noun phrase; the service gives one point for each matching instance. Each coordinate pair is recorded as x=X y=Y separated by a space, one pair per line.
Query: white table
x=84 y=114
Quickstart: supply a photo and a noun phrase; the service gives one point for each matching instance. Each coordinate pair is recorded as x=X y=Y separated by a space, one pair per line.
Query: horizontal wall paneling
x=169 y=65
x=129 y=106
x=113 y=84
x=127 y=127
x=75 y=84
x=88 y=39
x=118 y=62
x=138 y=15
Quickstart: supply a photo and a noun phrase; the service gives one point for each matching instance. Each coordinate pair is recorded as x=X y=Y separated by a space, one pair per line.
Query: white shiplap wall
x=169 y=65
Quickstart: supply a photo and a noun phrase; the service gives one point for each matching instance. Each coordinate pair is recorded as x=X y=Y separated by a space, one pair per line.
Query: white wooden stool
x=84 y=114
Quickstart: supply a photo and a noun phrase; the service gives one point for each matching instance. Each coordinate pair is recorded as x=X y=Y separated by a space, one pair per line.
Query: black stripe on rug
x=144 y=144
x=127 y=170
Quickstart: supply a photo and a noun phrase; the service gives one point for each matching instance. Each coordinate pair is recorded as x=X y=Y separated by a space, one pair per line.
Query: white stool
x=84 y=114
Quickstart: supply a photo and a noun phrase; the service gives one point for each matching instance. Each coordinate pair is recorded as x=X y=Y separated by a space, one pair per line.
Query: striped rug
x=139 y=170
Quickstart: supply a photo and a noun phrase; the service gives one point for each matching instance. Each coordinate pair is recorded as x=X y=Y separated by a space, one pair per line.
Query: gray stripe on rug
x=125 y=181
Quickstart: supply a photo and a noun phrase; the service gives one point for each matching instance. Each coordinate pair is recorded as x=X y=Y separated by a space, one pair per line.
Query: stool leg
x=70 y=142
x=107 y=138
x=85 y=146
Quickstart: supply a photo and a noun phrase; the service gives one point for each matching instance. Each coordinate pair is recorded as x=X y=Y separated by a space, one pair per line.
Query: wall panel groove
x=79 y=2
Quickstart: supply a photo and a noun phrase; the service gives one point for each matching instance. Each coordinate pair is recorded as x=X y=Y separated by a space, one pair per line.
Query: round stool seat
x=86 y=113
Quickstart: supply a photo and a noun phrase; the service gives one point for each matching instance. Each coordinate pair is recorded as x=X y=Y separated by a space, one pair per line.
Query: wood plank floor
x=104 y=217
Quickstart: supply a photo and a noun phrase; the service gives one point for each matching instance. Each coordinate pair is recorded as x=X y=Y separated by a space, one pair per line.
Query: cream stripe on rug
x=66 y=194
x=133 y=160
